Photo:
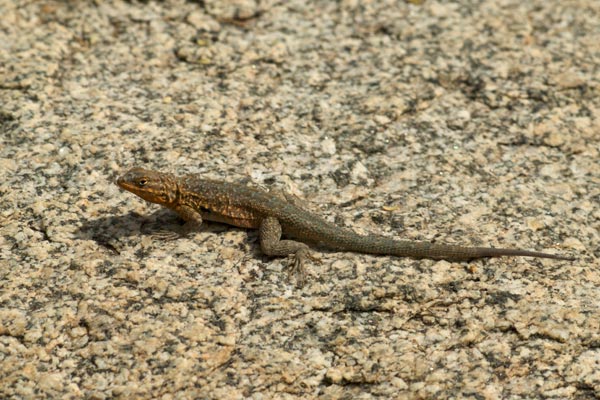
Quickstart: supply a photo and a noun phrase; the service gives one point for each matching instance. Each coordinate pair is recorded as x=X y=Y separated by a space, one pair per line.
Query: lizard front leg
x=272 y=245
x=192 y=218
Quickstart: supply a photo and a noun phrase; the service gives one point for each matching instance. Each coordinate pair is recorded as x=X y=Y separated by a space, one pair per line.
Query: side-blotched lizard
x=196 y=199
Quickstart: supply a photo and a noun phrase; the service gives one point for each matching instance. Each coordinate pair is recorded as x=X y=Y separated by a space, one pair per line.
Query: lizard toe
x=165 y=235
x=297 y=266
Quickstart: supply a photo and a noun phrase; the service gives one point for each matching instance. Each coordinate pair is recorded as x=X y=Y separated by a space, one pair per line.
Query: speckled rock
x=463 y=122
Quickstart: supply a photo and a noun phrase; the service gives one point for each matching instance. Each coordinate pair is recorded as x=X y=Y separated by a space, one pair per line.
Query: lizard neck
x=171 y=196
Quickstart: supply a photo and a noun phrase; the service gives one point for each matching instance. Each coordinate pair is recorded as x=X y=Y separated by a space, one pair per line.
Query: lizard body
x=196 y=199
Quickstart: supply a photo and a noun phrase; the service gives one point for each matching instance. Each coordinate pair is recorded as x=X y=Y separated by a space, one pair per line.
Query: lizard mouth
x=122 y=183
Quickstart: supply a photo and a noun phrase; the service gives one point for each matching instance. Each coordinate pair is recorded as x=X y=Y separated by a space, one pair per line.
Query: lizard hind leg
x=272 y=245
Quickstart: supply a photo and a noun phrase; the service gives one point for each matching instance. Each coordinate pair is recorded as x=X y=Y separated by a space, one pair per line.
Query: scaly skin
x=196 y=199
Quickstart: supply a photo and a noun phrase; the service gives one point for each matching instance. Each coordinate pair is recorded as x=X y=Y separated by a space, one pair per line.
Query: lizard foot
x=179 y=232
x=165 y=235
x=158 y=232
x=297 y=265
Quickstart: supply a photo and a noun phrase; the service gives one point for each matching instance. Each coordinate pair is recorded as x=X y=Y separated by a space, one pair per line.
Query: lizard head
x=152 y=186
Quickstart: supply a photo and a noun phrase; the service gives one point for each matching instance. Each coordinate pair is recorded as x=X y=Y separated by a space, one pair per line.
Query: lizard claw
x=297 y=270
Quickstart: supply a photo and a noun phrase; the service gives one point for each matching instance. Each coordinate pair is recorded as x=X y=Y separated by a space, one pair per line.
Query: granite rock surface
x=469 y=122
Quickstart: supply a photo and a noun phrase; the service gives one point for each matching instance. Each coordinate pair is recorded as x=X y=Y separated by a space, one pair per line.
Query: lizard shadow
x=107 y=231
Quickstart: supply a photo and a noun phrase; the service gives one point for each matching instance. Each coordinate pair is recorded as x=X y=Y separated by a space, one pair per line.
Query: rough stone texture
x=473 y=122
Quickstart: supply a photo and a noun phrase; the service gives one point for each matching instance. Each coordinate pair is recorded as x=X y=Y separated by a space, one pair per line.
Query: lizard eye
x=142 y=182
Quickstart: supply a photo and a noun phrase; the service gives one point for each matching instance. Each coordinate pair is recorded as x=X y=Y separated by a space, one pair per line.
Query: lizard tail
x=459 y=253
x=337 y=238
x=402 y=248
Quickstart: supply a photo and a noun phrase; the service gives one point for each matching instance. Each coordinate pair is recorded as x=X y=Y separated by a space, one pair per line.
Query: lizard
x=196 y=199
